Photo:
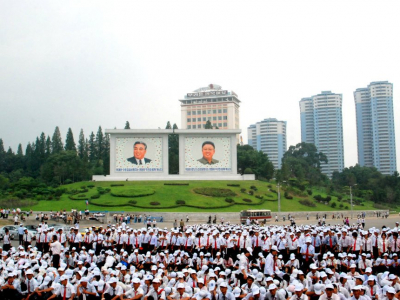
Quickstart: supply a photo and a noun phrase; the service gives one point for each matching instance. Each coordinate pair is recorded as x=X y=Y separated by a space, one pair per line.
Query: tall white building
x=269 y=136
x=376 y=141
x=211 y=103
x=321 y=124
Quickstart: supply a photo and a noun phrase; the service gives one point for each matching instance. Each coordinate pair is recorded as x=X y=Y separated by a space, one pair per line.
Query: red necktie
x=199 y=242
x=186 y=243
x=215 y=243
x=194 y=284
x=238 y=242
x=59 y=239
x=384 y=246
x=45 y=239
x=314 y=242
x=136 y=242
x=274 y=266
x=306 y=256
x=208 y=241
x=65 y=293
x=330 y=242
x=129 y=237
x=256 y=241
x=376 y=242
x=372 y=291
x=354 y=246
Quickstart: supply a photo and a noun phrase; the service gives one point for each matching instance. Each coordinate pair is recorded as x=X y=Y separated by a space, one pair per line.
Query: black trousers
x=56 y=260
x=21 y=241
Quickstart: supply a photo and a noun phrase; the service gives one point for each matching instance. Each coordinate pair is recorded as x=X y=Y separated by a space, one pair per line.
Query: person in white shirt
x=179 y=294
x=298 y=293
x=155 y=291
x=329 y=295
x=136 y=293
x=113 y=291
x=64 y=290
x=85 y=290
x=55 y=248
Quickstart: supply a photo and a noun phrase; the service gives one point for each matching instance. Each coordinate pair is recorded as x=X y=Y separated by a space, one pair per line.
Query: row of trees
x=50 y=160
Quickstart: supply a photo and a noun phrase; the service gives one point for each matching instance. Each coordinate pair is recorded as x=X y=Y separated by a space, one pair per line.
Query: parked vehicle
x=12 y=229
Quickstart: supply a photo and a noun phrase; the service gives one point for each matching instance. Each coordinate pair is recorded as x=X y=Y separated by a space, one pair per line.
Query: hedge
x=215 y=192
x=307 y=202
x=176 y=183
x=233 y=184
x=133 y=192
x=117 y=184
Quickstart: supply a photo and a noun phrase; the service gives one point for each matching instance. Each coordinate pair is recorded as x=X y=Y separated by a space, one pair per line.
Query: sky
x=85 y=64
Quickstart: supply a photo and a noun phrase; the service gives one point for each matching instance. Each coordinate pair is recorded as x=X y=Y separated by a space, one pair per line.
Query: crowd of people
x=203 y=261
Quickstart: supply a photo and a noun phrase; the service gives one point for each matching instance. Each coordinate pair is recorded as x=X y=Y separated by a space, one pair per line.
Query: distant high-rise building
x=269 y=136
x=321 y=125
x=376 y=141
x=211 y=103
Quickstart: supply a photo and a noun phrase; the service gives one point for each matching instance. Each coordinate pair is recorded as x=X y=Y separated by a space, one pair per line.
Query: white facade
x=269 y=136
x=211 y=103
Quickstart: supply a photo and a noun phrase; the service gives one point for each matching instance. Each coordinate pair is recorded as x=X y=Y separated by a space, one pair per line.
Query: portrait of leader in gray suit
x=139 y=152
x=208 y=150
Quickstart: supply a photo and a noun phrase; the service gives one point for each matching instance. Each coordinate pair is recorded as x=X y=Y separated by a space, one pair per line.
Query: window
x=189 y=127
x=219 y=118
x=209 y=111
x=225 y=117
x=188 y=119
x=199 y=119
x=219 y=111
x=214 y=111
x=225 y=110
x=204 y=119
x=219 y=124
x=188 y=113
x=194 y=112
x=214 y=118
x=204 y=112
x=193 y=119
x=225 y=124
x=199 y=112
x=199 y=126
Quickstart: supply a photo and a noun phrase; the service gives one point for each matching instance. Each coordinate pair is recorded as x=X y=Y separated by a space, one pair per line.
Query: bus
x=259 y=215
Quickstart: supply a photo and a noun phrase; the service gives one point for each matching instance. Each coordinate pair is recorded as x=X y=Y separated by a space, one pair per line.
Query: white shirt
x=55 y=247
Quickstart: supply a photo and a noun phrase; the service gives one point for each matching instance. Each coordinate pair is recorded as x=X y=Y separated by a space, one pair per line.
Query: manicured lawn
x=167 y=195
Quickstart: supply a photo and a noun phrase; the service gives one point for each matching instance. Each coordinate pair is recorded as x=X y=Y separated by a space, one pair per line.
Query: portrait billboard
x=208 y=154
x=138 y=154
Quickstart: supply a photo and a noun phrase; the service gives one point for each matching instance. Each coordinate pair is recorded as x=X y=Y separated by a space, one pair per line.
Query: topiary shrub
x=132 y=202
x=333 y=205
x=259 y=197
x=180 y=202
x=229 y=200
x=96 y=196
x=90 y=186
x=117 y=184
x=341 y=205
x=248 y=171
x=309 y=192
x=155 y=203
x=233 y=184
x=215 y=192
x=251 y=193
x=307 y=202
x=243 y=190
x=247 y=200
x=176 y=183
x=133 y=192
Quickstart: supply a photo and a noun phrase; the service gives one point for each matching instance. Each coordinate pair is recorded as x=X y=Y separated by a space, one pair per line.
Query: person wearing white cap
x=298 y=293
x=65 y=290
x=114 y=291
x=180 y=293
x=155 y=291
x=329 y=293
x=136 y=293
x=390 y=294
x=31 y=283
x=307 y=251
x=357 y=293
x=224 y=294
x=85 y=290
x=273 y=294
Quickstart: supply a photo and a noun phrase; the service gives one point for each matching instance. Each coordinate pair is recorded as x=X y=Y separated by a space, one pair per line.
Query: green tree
x=168 y=125
x=256 y=161
x=99 y=142
x=92 y=148
x=48 y=147
x=208 y=125
x=81 y=145
x=106 y=155
x=56 y=141
x=127 y=126
x=69 y=141
x=173 y=153
x=2 y=156
x=60 y=167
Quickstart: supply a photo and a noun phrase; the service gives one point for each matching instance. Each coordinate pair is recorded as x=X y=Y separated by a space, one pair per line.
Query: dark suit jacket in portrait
x=133 y=160
x=205 y=161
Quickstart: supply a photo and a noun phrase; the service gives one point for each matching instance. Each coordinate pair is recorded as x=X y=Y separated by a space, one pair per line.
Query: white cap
x=272 y=287
x=298 y=287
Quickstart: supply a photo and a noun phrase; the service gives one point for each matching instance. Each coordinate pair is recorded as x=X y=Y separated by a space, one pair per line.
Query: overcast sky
x=82 y=64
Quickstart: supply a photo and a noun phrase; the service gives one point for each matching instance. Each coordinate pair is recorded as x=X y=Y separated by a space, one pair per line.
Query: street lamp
x=351 y=199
